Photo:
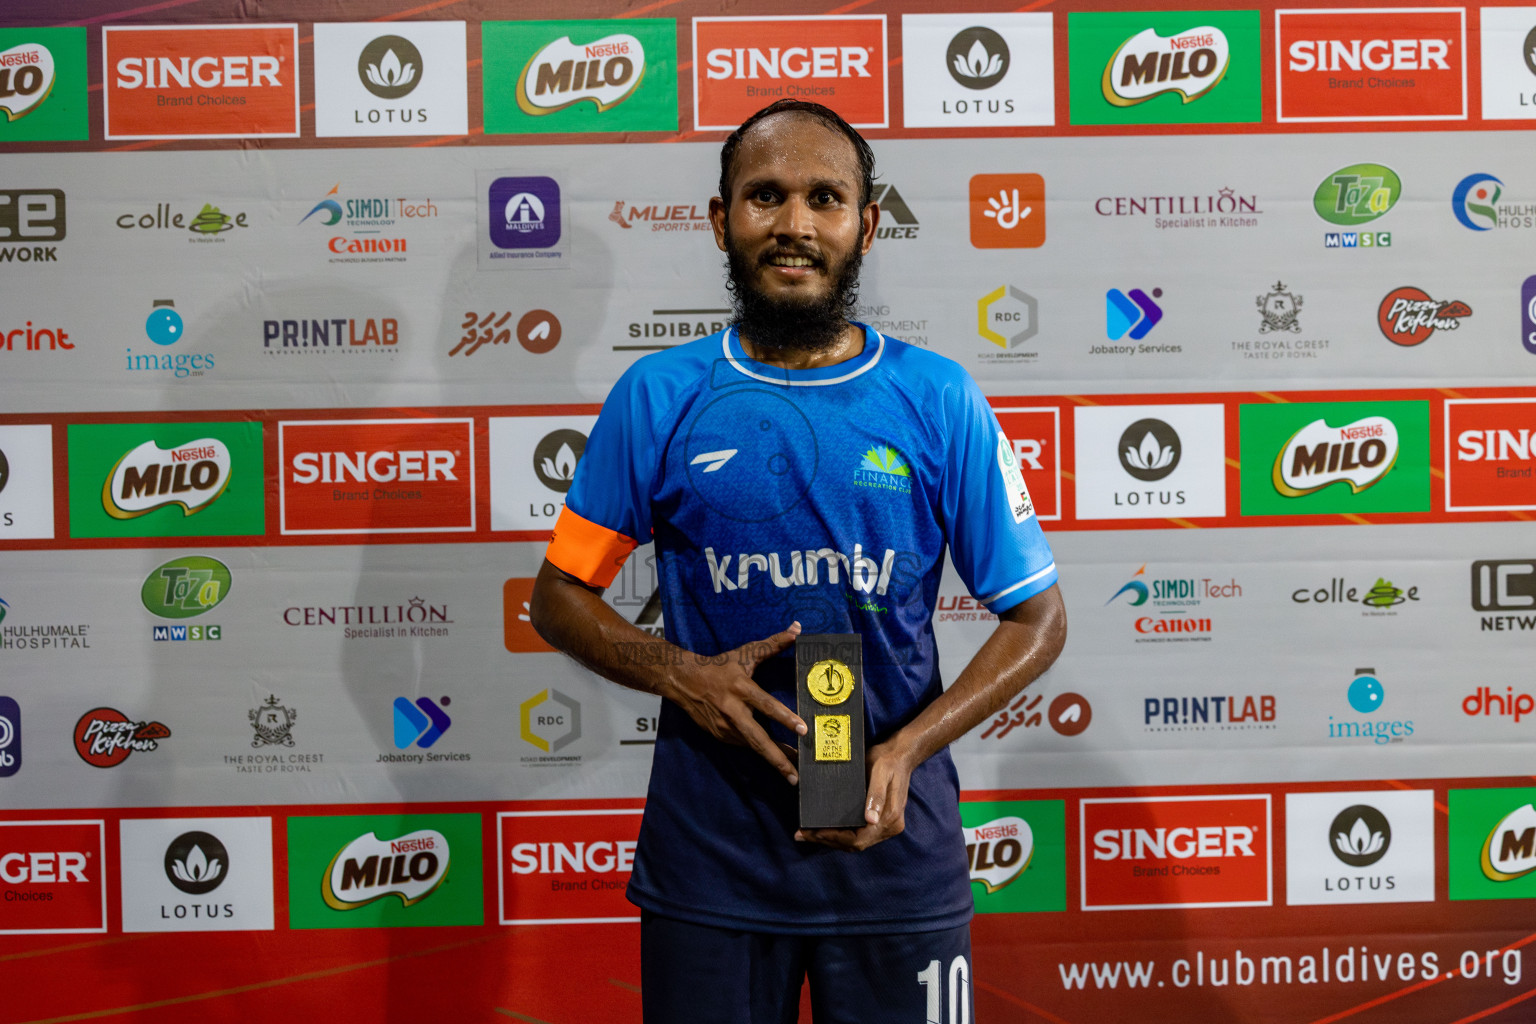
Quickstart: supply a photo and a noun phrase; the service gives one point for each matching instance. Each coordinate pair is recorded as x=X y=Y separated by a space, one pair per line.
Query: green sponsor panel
x=385 y=871
x=1275 y=439
x=191 y=500
x=43 y=85
x=580 y=76
x=1492 y=844
x=1017 y=868
x=1152 y=67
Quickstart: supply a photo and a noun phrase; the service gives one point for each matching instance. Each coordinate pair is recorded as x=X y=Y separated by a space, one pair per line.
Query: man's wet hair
x=828 y=117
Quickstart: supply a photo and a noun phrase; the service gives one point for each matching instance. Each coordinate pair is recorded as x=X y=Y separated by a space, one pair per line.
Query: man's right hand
x=721 y=698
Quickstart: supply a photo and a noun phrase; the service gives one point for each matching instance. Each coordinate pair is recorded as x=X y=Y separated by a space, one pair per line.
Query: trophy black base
x=829 y=673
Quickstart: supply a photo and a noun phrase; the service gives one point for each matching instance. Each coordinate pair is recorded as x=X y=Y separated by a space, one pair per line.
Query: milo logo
x=26 y=78
x=191 y=475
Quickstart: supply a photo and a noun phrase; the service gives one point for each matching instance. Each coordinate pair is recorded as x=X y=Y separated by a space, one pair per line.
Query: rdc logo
x=10 y=737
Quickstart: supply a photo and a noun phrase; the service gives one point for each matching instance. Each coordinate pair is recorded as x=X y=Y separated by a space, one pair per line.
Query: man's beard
x=794 y=323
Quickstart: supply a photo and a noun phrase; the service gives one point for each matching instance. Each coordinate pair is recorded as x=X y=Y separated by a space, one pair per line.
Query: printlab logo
x=1279 y=311
x=1149 y=450
x=196 y=863
x=1068 y=713
x=420 y=724
x=556 y=456
x=390 y=67
x=1135 y=313
x=273 y=724
x=10 y=733
x=42 y=84
x=104 y=737
x=1007 y=211
x=550 y=721
x=1407 y=316
x=1475 y=201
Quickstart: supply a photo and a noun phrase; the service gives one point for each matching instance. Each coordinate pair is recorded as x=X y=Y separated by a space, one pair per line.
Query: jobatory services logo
x=1017 y=854
x=977 y=70
x=409 y=80
x=1191 y=851
x=165 y=480
x=1007 y=211
x=1491 y=454
x=201 y=81
x=1168 y=67
x=533 y=463
x=1313 y=458
x=1360 y=847
x=28 y=217
x=741 y=64
x=1492 y=844
x=1150 y=461
x=580 y=76
x=377 y=476
x=1371 y=64
x=1505 y=585
x=566 y=867
x=43 y=85
x=1131 y=313
x=26 y=481
x=105 y=737
x=1407 y=315
x=1365 y=696
x=1508 y=62
x=10 y=737
x=196 y=874
x=420 y=723
x=384 y=871
x=51 y=877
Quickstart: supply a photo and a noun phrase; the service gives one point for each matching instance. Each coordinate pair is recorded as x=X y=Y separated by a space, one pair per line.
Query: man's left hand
x=885 y=809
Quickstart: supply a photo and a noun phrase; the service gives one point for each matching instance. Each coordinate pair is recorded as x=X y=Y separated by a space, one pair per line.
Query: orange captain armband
x=591 y=553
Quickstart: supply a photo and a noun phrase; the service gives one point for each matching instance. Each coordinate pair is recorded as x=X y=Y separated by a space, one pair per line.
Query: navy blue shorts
x=697 y=974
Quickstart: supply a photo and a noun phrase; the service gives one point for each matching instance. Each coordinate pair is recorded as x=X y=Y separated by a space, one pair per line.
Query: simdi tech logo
x=741 y=64
x=1492 y=844
x=1371 y=64
x=1017 y=854
x=408 y=79
x=977 y=70
x=566 y=867
x=580 y=76
x=384 y=871
x=1314 y=458
x=43 y=85
x=1165 y=67
x=203 y=81
x=166 y=480
x=52 y=872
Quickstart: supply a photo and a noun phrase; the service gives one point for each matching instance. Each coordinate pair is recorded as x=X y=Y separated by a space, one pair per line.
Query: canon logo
x=1369 y=55
x=1208 y=841
x=557 y=858
x=38 y=867
x=379 y=467
x=200 y=72
x=793 y=62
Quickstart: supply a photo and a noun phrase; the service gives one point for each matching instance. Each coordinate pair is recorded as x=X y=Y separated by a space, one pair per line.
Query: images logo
x=974 y=70
x=550 y=721
x=1142 y=853
x=1148 y=65
x=52 y=873
x=1007 y=211
x=580 y=76
x=1292 y=456
x=1495 y=460
x=42 y=85
x=185 y=587
x=1366 y=696
x=1474 y=201
x=10 y=736
x=1357 y=194
x=564 y=867
x=422 y=723
x=104 y=737
x=1363 y=64
x=164 y=328
x=525 y=213
x=1136 y=313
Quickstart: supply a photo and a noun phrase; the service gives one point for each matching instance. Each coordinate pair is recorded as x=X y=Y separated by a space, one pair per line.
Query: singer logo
x=1193 y=851
x=1371 y=64
x=1494 y=460
x=743 y=64
x=51 y=872
x=566 y=867
x=377 y=476
x=191 y=475
x=209 y=81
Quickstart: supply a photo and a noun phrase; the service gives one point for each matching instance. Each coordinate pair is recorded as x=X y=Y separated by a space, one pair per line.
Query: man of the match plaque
x=829 y=668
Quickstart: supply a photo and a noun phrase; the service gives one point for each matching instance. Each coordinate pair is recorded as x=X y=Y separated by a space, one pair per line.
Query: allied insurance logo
x=204 y=81
x=42 y=85
x=741 y=64
x=1490 y=463
x=580 y=76
x=376 y=476
x=566 y=867
x=52 y=873
x=1371 y=64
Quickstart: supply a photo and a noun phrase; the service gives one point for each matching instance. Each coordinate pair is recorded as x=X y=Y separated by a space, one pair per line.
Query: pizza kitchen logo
x=105 y=737
x=1407 y=316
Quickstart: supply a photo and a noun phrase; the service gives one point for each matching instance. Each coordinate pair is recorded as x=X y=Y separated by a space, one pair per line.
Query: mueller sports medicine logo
x=566 y=867
x=1359 y=454
x=211 y=81
x=368 y=868
x=742 y=64
x=1494 y=465
x=1142 y=853
x=1189 y=63
x=190 y=475
x=1407 y=316
x=377 y=476
x=1371 y=64
x=52 y=877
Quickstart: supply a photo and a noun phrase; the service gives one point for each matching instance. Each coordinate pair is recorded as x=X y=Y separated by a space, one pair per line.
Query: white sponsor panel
x=533 y=461
x=1150 y=461
x=1376 y=846
x=26 y=482
x=1509 y=62
x=977 y=70
x=196 y=874
x=390 y=78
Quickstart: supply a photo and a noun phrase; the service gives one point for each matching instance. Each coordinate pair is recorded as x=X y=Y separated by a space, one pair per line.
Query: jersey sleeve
x=995 y=540
x=607 y=511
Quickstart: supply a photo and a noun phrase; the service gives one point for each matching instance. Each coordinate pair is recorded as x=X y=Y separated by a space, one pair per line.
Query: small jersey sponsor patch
x=1019 y=502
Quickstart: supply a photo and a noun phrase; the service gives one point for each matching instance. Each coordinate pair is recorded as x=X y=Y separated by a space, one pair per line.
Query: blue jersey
x=826 y=496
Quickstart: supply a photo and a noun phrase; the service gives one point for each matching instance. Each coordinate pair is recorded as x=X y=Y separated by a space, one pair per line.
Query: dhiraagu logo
x=883 y=468
x=1357 y=194
x=1017 y=854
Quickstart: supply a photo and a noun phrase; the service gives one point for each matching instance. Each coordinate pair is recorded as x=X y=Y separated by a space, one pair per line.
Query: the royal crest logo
x=1317 y=455
x=273 y=724
x=369 y=868
x=1189 y=63
x=26 y=78
x=605 y=72
x=1408 y=316
x=191 y=475
x=1279 y=310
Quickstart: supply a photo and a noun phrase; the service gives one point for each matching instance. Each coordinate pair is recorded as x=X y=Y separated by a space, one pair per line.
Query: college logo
x=52 y=874
x=1407 y=316
x=580 y=76
x=550 y=721
x=377 y=476
x=409 y=81
x=273 y=724
x=564 y=867
x=1165 y=68
x=1509 y=62
x=1178 y=450
x=533 y=464
x=1035 y=434
x=1016 y=852
x=42 y=85
x=1294 y=458
x=104 y=737
x=205 y=81
x=420 y=724
x=1378 y=599
x=742 y=63
x=384 y=871
x=1361 y=64
x=26 y=481
x=207 y=224
x=1007 y=211
x=1368 y=847
x=1191 y=851
x=29 y=216
x=965 y=71
x=196 y=874
x=10 y=737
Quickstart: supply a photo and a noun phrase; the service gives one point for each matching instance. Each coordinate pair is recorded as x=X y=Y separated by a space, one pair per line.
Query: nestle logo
x=1353 y=433
x=411 y=845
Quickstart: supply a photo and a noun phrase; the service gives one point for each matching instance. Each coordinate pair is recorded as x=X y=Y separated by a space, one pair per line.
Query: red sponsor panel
x=377 y=476
x=205 y=81
x=1036 y=437
x=740 y=65
x=1490 y=457
x=1193 y=851
x=566 y=867
x=52 y=877
x=518 y=633
x=1371 y=64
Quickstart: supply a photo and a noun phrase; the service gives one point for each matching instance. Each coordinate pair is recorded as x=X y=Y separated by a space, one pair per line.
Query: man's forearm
x=575 y=619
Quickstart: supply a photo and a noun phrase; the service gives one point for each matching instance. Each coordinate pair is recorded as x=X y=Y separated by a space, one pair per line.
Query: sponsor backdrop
x=305 y=323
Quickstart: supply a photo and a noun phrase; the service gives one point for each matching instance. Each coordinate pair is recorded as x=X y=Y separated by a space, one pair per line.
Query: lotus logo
x=1146 y=65
x=556 y=456
x=605 y=73
x=1359 y=454
x=1360 y=835
x=1149 y=449
x=1357 y=194
x=977 y=58
x=390 y=67
x=369 y=868
x=999 y=851
x=196 y=863
x=1509 y=852
x=191 y=475
x=26 y=79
